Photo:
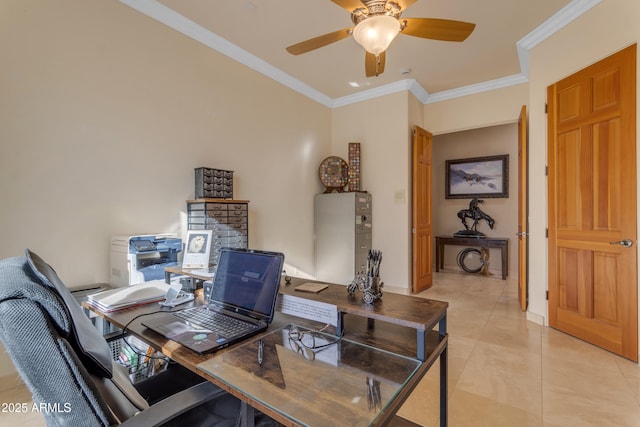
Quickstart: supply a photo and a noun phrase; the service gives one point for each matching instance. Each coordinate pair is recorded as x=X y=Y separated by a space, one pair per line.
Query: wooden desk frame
x=392 y=332
x=487 y=242
x=420 y=314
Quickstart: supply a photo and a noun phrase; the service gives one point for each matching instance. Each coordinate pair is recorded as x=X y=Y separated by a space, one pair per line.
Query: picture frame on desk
x=197 y=249
x=486 y=177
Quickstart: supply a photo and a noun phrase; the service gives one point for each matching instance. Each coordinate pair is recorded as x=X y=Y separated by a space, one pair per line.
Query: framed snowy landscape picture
x=477 y=177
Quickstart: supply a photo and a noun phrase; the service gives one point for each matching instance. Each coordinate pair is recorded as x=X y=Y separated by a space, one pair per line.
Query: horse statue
x=476 y=214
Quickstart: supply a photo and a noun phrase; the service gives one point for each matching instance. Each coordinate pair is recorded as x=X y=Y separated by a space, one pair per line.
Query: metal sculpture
x=475 y=214
x=368 y=282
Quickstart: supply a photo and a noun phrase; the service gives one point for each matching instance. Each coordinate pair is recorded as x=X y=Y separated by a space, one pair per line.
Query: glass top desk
x=315 y=378
x=406 y=325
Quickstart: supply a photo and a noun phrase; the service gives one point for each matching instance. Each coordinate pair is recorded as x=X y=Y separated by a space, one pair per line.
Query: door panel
x=523 y=210
x=422 y=232
x=592 y=204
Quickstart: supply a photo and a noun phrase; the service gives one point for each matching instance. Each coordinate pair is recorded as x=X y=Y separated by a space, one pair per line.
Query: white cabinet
x=342 y=235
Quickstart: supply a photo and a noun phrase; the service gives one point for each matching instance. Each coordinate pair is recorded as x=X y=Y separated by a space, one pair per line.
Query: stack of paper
x=120 y=298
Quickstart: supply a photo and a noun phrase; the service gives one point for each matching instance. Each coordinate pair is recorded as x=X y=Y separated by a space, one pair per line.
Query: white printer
x=141 y=258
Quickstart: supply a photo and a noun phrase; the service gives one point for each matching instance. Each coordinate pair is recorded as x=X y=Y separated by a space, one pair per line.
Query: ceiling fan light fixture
x=376 y=33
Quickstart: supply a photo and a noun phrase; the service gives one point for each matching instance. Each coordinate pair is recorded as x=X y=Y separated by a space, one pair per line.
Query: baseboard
x=535 y=318
x=394 y=290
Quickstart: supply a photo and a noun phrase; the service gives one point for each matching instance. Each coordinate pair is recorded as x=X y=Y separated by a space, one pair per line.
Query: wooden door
x=422 y=231
x=593 y=291
x=523 y=212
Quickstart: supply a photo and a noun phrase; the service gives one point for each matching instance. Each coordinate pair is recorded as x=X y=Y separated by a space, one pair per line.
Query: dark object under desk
x=486 y=242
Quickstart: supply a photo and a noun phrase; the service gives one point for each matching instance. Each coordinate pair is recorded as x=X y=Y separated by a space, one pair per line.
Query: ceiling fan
x=377 y=23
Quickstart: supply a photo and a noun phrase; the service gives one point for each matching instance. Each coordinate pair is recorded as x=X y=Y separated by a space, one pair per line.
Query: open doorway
x=482 y=142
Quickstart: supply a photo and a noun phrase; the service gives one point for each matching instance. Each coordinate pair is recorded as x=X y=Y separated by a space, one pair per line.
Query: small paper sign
x=197 y=250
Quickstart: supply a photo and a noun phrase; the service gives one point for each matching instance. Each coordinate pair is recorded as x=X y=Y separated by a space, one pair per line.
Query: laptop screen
x=248 y=281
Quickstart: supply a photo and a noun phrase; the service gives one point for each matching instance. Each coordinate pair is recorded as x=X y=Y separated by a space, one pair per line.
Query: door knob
x=522 y=234
x=626 y=243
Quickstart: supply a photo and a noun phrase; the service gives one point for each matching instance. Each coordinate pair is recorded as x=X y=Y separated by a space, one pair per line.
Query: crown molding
x=473 y=89
x=178 y=22
x=549 y=27
x=388 y=89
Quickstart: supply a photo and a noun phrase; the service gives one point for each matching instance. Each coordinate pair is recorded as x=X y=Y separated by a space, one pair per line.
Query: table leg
x=505 y=262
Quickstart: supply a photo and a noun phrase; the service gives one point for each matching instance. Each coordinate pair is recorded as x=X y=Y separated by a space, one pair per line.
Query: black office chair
x=67 y=364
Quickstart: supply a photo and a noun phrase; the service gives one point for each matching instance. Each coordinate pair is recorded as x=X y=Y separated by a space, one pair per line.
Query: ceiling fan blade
x=316 y=42
x=374 y=66
x=349 y=5
x=438 y=29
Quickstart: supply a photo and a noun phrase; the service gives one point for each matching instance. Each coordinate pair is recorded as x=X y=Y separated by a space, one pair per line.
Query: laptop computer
x=244 y=292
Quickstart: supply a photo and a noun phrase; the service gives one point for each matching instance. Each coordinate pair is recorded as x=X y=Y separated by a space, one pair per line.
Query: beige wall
x=495 y=107
x=380 y=125
x=488 y=141
x=105 y=114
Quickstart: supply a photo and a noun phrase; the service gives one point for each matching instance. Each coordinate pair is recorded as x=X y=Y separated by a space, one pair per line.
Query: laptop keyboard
x=222 y=324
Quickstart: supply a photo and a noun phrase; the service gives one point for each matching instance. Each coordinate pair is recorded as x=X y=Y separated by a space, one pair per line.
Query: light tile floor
x=507 y=371
x=503 y=370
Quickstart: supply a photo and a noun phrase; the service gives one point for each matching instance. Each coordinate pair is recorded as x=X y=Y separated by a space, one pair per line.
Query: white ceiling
x=256 y=33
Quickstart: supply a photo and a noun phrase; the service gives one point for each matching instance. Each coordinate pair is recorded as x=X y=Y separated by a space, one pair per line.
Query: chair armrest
x=175 y=405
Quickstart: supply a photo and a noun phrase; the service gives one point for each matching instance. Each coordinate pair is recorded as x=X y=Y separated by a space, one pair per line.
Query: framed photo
x=485 y=177
x=197 y=249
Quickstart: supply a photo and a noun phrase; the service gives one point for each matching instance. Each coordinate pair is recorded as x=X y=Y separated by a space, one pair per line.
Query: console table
x=486 y=242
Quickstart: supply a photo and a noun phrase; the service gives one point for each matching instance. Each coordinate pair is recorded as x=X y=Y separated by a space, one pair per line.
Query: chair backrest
x=64 y=361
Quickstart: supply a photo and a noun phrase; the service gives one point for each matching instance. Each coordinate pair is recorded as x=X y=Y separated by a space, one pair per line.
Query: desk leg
x=444 y=394
x=247 y=415
x=340 y=324
x=421 y=345
x=439 y=255
x=443 y=389
x=442 y=326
